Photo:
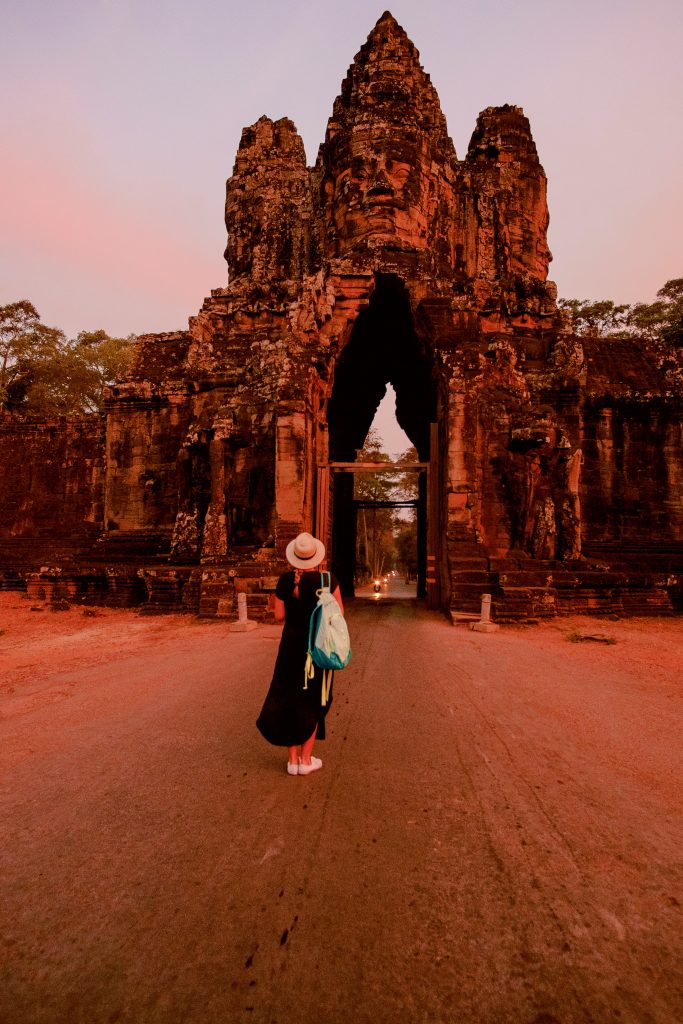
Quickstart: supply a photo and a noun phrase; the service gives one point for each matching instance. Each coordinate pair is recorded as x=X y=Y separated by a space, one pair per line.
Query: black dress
x=290 y=713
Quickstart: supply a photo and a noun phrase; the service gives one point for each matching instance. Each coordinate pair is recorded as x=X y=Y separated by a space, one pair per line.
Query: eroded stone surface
x=389 y=261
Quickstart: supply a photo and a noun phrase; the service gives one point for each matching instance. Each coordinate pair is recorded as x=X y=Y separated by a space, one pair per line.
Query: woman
x=293 y=714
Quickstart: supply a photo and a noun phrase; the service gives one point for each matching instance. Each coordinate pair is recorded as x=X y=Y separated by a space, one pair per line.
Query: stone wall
x=52 y=493
x=390 y=261
x=632 y=473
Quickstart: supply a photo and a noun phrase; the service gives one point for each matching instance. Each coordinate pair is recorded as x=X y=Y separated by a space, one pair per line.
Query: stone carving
x=388 y=261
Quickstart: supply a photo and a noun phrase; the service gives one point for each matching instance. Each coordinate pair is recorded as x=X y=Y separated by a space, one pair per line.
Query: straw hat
x=305 y=552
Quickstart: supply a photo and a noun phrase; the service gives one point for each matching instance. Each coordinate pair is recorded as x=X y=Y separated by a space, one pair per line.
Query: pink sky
x=121 y=119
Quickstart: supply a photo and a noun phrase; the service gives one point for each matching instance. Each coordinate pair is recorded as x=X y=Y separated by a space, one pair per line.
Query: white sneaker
x=292 y=769
x=306 y=769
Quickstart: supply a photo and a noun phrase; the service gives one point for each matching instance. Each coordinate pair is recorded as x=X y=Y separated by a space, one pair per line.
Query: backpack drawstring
x=309 y=670
x=326 y=683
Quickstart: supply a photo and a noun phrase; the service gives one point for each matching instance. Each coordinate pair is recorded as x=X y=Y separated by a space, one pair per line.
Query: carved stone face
x=380 y=193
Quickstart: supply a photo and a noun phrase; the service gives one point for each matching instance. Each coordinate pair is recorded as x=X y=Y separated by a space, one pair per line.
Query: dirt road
x=495 y=835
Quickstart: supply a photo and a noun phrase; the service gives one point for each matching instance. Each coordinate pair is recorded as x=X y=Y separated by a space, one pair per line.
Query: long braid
x=298 y=573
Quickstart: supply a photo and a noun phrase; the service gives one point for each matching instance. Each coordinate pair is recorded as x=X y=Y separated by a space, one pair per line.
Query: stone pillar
x=290 y=478
x=243 y=624
x=215 y=540
x=459 y=483
x=569 y=513
x=485 y=625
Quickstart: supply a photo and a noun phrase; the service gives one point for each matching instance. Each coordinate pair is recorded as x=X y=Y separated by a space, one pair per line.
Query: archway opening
x=384 y=348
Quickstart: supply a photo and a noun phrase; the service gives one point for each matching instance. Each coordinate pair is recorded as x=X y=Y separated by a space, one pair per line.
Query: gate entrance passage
x=337 y=517
x=383 y=348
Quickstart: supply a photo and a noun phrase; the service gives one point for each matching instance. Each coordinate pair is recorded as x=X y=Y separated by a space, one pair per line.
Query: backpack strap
x=326 y=687
x=309 y=668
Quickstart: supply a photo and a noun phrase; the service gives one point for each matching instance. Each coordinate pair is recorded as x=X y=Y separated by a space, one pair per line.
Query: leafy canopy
x=42 y=373
x=379 y=528
x=661 y=320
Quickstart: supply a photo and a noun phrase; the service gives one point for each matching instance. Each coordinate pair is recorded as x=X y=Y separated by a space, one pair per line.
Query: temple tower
x=390 y=261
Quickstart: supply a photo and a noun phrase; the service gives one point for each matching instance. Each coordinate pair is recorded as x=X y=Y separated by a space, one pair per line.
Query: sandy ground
x=496 y=834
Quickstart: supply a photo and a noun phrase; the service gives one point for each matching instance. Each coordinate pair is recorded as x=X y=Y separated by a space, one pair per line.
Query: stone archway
x=391 y=260
x=383 y=348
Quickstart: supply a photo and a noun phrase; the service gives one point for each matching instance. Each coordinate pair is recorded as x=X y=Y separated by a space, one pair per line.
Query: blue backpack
x=329 y=645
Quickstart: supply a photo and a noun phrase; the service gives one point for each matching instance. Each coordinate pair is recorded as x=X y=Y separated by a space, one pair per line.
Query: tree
x=374 y=545
x=26 y=344
x=379 y=528
x=43 y=374
x=405 y=526
x=406 y=485
x=105 y=360
x=406 y=545
x=602 y=318
x=659 y=321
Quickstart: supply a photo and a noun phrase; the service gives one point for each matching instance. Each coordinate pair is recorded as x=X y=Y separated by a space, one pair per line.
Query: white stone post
x=485 y=625
x=243 y=624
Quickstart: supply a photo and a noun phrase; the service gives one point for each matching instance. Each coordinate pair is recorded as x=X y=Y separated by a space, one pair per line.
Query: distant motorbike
x=377 y=587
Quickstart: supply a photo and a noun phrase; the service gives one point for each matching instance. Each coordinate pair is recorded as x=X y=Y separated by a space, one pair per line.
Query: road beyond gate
x=495 y=835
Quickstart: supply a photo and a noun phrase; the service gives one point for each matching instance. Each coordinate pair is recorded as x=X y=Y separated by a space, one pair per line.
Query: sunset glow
x=121 y=127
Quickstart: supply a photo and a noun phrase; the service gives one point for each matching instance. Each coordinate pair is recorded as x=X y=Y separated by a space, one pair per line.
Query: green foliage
x=25 y=344
x=661 y=320
x=406 y=546
x=379 y=528
x=603 y=318
x=647 y=319
x=374 y=538
x=44 y=374
x=672 y=318
x=406 y=485
x=406 y=526
x=374 y=486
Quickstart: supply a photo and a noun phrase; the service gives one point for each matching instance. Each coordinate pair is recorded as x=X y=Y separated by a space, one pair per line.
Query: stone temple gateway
x=555 y=463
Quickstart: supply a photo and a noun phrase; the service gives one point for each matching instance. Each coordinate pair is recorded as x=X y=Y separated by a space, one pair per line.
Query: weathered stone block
x=389 y=262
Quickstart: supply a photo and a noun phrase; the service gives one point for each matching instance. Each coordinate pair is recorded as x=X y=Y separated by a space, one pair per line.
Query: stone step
x=650 y=601
x=537 y=579
x=664 y=558
x=591 y=578
x=512 y=604
x=470 y=576
x=589 y=600
x=170 y=589
x=11 y=581
x=152 y=541
x=521 y=564
x=469 y=563
x=466 y=596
